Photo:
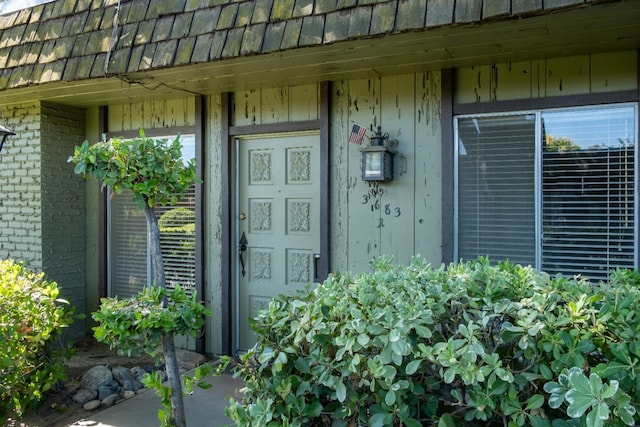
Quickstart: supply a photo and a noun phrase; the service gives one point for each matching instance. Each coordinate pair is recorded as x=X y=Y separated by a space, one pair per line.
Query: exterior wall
x=20 y=175
x=158 y=113
x=401 y=218
x=63 y=206
x=577 y=75
x=42 y=206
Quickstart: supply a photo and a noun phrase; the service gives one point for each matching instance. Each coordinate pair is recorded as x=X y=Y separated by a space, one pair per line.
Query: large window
x=128 y=256
x=556 y=189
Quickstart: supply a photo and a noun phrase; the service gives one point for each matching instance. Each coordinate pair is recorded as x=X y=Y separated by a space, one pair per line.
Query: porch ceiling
x=601 y=28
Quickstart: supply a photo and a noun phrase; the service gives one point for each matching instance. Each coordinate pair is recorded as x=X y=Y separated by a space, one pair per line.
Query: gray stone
x=91 y=405
x=137 y=385
x=84 y=395
x=128 y=394
x=122 y=375
x=137 y=372
x=106 y=390
x=110 y=400
x=96 y=376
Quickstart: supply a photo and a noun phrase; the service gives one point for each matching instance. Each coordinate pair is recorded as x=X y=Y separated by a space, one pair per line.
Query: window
x=129 y=261
x=556 y=189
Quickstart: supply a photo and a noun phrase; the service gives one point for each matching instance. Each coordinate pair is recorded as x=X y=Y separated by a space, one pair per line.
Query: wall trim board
x=274 y=128
x=546 y=103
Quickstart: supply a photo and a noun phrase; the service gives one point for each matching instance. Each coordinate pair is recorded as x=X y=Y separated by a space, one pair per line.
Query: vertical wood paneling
x=246 y=108
x=303 y=102
x=395 y=213
x=274 y=104
x=609 y=71
x=577 y=75
x=472 y=84
x=363 y=234
x=339 y=170
x=567 y=76
x=428 y=170
x=162 y=113
x=512 y=80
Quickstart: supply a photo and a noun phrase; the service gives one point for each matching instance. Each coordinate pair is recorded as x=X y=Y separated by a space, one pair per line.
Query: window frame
x=461 y=113
x=163 y=134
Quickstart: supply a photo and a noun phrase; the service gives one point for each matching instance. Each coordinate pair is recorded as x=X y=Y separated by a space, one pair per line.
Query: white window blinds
x=588 y=191
x=496 y=188
x=570 y=209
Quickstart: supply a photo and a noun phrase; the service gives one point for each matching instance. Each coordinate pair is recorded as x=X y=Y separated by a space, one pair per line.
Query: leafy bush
x=465 y=344
x=31 y=319
x=135 y=325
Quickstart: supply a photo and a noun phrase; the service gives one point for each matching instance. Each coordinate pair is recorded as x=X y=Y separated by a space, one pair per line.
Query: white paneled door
x=277 y=217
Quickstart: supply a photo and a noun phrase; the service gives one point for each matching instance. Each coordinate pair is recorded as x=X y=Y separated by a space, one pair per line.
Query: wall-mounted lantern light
x=4 y=133
x=377 y=158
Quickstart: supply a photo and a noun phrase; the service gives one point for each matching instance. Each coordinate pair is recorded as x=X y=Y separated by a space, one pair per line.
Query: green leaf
x=534 y=402
x=578 y=403
x=412 y=367
x=446 y=420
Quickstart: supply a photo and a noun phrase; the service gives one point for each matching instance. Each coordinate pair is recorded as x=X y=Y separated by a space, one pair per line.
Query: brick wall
x=42 y=202
x=63 y=205
x=20 y=207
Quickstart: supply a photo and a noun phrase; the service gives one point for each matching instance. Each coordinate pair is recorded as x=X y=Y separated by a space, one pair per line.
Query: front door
x=277 y=222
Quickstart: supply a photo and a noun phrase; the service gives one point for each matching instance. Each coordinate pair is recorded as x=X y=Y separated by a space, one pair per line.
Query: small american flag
x=357 y=134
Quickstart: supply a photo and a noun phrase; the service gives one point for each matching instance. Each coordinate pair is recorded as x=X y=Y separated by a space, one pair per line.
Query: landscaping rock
x=128 y=394
x=96 y=376
x=84 y=395
x=91 y=405
x=122 y=375
x=110 y=400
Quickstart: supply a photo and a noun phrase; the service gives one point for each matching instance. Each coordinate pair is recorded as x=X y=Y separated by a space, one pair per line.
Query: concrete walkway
x=203 y=407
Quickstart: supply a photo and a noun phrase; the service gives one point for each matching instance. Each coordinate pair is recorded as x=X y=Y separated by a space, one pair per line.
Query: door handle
x=242 y=248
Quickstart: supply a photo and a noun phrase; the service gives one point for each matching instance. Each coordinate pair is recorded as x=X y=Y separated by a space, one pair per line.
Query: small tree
x=154 y=171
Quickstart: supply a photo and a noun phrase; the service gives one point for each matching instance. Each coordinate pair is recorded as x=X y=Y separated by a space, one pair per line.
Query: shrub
x=31 y=319
x=469 y=343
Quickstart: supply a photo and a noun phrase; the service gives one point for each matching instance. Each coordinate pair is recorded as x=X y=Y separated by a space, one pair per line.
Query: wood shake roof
x=70 y=40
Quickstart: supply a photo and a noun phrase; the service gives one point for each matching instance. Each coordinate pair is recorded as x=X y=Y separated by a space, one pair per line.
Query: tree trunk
x=157 y=263
x=168 y=347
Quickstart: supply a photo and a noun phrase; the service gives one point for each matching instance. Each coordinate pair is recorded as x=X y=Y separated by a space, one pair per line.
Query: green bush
x=466 y=344
x=136 y=325
x=31 y=320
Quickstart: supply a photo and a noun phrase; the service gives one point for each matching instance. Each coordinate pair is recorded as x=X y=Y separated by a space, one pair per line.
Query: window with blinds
x=583 y=186
x=496 y=197
x=588 y=182
x=128 y=255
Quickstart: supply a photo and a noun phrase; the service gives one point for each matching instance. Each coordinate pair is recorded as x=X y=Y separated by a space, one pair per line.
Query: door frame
x=229 y=133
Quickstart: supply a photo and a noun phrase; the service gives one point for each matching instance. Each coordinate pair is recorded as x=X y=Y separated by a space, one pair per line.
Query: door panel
x=279 y=217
